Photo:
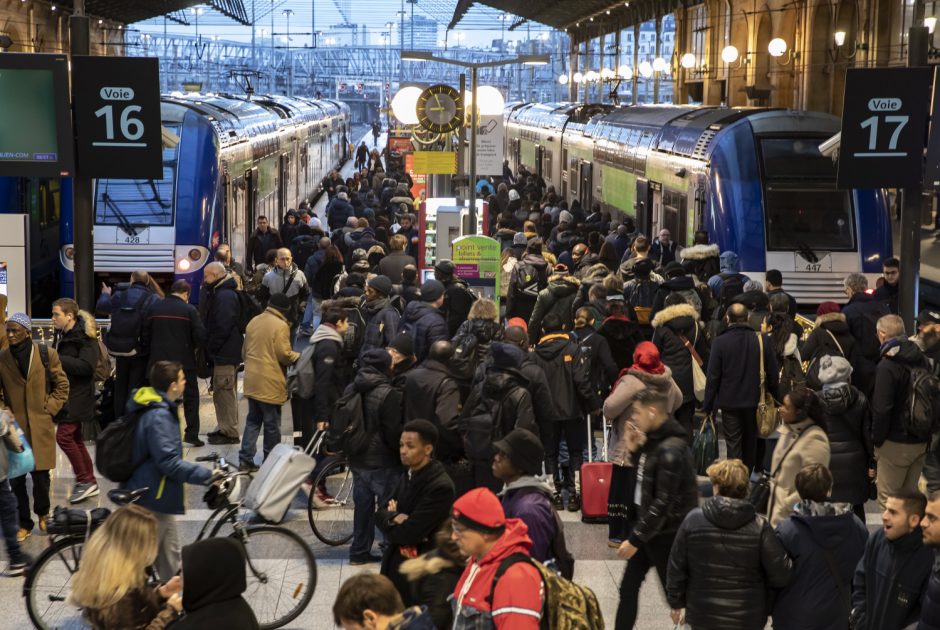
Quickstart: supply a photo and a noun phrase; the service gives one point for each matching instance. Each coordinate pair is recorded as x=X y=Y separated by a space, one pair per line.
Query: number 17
x=872 y=125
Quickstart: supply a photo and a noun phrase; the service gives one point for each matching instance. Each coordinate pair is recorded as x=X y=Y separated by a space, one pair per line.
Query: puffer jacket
x=930 y=609
x=722 y=562
x=618 y=405
x=558 y=298
x=433 y=576
x=847 y=419
x=425 y=324
x=683 y=285
x=831 y=337
x=701 y=261
x=569 y=378
x=596 y=350
x=158 y=446
x=485 y=332
x=381 y=403
x=669 y=326
x=892 y=382
x=669 y=489
x=78 y=353
x=514 y=602
x=623 y=336
x=382 y=320
x=530 y=500
x=508 y=387
x=223 y=339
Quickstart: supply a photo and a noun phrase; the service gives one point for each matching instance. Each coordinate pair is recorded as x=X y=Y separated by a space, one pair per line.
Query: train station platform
x=319 y=208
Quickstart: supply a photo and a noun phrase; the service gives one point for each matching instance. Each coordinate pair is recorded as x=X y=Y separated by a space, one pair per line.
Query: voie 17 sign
x=884 y=122
x=117 y=117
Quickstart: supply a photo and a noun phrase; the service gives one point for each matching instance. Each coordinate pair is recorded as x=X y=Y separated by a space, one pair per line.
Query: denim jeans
x=311 y=317
x=260 y=414
x=369 y=487
x=9 y=520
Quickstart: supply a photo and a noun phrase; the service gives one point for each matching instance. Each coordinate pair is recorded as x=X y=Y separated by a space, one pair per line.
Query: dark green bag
x=705 y=446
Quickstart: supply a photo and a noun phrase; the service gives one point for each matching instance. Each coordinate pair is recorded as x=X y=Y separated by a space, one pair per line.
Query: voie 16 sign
x=117 y=117
x=884 y=122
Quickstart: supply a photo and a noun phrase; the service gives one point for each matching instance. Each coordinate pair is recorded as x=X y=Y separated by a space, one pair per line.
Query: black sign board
x=117 y=117
x=932 y=169
x=884 y=122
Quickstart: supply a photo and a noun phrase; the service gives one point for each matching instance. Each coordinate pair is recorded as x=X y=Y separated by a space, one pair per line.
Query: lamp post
x=532 y=60
x=290 y=61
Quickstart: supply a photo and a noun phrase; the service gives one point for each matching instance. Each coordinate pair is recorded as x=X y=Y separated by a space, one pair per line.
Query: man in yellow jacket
x=267 y=353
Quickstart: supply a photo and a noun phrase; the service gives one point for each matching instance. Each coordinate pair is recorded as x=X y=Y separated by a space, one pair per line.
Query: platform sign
x=490 y=150
x=477 y=260
x=884 y=123
x=435 y=162
x=117 y=117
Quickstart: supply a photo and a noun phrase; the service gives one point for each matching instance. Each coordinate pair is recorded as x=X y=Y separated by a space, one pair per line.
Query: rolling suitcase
x=595 y=481
x=277 y=481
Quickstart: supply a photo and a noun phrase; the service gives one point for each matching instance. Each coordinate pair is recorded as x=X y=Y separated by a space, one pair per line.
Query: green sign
x=476 y=260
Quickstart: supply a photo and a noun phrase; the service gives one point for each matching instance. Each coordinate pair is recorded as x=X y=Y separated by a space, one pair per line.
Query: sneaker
x=574 y=502
x=366 y=558
x=83 y=491
x=23 y=534
x=221 y=438
x=248 y=467
x=557 y=501
x=43 y=524
x=16 y=569
x=193 y=440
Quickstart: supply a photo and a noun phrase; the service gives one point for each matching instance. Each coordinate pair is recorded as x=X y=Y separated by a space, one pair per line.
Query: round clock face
x=440 y=108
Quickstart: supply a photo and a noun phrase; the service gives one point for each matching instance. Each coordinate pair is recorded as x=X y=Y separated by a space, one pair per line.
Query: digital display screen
x=28 y=125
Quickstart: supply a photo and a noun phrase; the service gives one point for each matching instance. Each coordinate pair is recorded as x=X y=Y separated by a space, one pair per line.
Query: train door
x=539 y=158
x=655 y=211
x=228 y=208
x=643 y=208
x=674 y=215
x=585 y=185
x=516 y=154
x=251 y=200
x=283 y=180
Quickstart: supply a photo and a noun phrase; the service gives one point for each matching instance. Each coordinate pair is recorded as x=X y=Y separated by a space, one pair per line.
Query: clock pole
x=474 y=124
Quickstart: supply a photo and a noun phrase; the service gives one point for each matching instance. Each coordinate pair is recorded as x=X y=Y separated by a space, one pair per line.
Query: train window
x=798 y=217
x=139 y=202
x=795 y=158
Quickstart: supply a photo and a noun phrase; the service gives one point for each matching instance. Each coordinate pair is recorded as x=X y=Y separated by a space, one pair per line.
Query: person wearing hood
x=159 y=449
x=501 y=396
x=847 y=416
x=518 y=464
x=458 y=298
x=330 y=377
x=417 y=507
x=488 y=538
x=899 y=451
x=289 y=226
x=621 y=332
x=725 y=558
x=647 y=371
x=268 y=353
x=514 y=206
x=361 y=238
x=825 y=541
x=676 y=281
x=370 y=602
x=701 y=259
x=214 y=579
x=376 y=469
x=424 y=321
x=677 y=333
x=338 y=211
x=640 y=294
x=223 y=350
x=557 y=299
x=527 y=278
x=534 y=375
x=381 y=312
x=830 y=336
x=433 y=576
x=262 y=240
x=730 y=265
x=288 y=280
x=665 y=492
x=892 y=577
x=569 y=380
x=432 y=394
x=76 y=341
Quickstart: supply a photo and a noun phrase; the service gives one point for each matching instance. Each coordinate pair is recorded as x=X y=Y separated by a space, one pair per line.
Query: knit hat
x=674 y=269
x=22 y=319
x=445 y=267
x=646 y=358
x=480 y=510
x=827 y=307
x=520 y=238
x=518 y=321
x=377 y=358
x=278 y=301
x=403 y=343
x=431 y=290
x=506 y=355
x=643 y=267
x=834 y=369
x=513 y=195
x=565 y=217
x=382 y=284
x=524 y=450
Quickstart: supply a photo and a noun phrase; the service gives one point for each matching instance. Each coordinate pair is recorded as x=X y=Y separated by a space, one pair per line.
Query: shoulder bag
x=766 y=405
x=698 y=374
x=759 y=495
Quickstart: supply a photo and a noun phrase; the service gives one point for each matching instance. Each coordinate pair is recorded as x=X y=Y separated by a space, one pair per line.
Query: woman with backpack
x=76 y=341
x=472 y=342
x=596 y=350
x=830 y=336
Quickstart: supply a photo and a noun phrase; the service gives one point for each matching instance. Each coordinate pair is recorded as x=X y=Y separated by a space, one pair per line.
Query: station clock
x=440 y=108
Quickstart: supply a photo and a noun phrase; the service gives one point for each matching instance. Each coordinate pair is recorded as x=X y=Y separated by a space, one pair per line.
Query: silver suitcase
x=277 y=481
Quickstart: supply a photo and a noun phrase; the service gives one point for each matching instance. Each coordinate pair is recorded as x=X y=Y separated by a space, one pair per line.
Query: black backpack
x=114 y=447
x=355 y=332
x=248 y=309
x=922 y=404
x=303 y=247
x=350 y=430
x=127 y=322
x=463 y=363
x=529 y=281
x=641 y=298
x=732 y=285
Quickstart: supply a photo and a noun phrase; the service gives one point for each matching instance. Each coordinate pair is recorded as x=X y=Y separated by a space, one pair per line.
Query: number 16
x=872 y=125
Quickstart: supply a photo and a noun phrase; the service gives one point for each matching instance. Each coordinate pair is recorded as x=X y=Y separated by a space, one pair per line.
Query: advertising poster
x=476 y=259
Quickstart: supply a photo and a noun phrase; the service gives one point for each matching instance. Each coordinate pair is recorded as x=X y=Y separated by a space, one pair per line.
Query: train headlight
x=183 y=264
x=190 y=258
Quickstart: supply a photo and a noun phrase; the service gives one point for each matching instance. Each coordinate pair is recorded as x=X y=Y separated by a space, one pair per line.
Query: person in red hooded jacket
x=487 y=537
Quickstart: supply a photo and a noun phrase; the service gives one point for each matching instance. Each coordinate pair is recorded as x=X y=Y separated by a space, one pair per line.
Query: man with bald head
x=223 y=349
x=733 y=382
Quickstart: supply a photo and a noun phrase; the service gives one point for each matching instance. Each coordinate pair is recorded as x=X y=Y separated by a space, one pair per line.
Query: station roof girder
x=130 y=11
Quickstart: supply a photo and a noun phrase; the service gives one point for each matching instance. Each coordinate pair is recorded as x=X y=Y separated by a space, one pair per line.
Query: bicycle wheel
x=48 y=585
x=281 y=573
x=330 y=506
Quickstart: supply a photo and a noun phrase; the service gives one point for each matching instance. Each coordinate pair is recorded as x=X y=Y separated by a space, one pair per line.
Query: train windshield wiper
x=121 y=217
x=807 y=252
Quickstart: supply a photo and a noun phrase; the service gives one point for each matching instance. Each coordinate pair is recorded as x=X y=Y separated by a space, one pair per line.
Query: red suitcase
x=595 y=482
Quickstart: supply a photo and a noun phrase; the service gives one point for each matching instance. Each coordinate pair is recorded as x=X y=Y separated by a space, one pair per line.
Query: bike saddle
x=121 y=496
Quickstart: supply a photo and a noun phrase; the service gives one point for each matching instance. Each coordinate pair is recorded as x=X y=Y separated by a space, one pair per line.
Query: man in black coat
x=381 y=312
x=458 y=298
x=223 y=350
x=263 y=240
x=930 y=609
x=330 y=375
x=732 y=383
x=861 y=314
x=891 y=578
x=423 y=320
x=667 y=492
x=419 y=505
x=173 y=331
x=537 y=383
x=431 y=393
x=338 y=211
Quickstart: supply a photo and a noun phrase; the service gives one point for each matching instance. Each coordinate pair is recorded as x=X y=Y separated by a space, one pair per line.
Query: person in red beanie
x=831 y=336
x=647 y=371
x=484 y=534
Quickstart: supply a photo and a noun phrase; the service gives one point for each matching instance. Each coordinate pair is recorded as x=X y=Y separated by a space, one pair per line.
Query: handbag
x=705 y=445
x=766 y=405
x=759 y=495
x=19 y=462
x=698 y=374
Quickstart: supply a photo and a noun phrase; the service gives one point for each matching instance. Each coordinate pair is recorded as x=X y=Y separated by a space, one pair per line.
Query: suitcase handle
x=315 y=442
x=590 y=436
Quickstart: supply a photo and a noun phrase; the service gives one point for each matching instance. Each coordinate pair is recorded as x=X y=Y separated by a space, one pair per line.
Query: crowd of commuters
x=478 y=420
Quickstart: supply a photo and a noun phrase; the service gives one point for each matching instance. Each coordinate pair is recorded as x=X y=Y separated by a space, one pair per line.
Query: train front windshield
x=802 y=206
x=139 y=202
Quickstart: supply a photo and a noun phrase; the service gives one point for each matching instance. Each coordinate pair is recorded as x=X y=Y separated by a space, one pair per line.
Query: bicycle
x=281 y=570
x=331 y=503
